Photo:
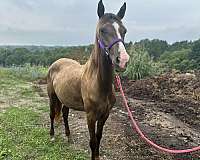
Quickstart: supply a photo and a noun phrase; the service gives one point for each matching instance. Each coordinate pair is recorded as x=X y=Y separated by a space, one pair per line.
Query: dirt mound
x=170 y=85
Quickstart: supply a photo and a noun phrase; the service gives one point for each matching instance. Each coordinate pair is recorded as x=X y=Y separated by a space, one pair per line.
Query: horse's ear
x=122 y=11
x=101 y=9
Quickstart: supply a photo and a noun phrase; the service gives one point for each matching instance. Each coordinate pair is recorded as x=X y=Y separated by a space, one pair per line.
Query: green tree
x=154 y=47
x=177 y=59
x=195 y=55
x=180 y=45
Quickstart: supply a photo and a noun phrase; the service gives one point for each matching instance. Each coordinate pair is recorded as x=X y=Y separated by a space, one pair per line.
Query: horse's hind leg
x=52 y=117
x=55 y=108
x=65 y=111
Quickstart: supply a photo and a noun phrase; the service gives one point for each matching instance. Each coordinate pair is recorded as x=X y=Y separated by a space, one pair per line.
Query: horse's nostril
x=117 y=59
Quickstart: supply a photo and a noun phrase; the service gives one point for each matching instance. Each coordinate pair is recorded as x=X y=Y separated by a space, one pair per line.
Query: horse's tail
x=55 y=104
x=58 y=108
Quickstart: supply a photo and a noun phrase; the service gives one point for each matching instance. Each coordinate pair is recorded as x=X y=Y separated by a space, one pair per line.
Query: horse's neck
x=100 y=66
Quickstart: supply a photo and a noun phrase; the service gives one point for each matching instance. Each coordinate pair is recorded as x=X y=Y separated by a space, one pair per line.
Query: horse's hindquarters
x=65 y=75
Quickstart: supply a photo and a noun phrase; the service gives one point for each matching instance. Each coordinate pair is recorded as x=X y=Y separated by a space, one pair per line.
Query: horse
x=89 y=87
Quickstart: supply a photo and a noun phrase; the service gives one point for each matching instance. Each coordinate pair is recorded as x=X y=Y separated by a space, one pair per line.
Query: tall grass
x=28 y=72
x=141 y=64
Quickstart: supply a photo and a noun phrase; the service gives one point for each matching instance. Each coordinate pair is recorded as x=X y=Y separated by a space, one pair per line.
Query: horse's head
x=110 y=35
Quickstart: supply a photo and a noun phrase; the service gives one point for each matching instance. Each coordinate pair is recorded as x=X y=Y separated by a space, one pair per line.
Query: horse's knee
x=99 y=136
x=91 y=121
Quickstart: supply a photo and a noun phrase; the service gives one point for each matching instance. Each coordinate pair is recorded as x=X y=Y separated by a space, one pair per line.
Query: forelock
x=110 y=17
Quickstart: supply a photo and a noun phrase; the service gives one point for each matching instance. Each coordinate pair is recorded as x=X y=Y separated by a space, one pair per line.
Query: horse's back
x=64 y=76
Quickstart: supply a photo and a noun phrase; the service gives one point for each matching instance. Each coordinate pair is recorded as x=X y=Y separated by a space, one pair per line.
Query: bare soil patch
x=167 y=109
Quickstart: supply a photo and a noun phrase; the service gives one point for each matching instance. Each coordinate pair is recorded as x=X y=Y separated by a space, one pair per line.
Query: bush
x=141 y=64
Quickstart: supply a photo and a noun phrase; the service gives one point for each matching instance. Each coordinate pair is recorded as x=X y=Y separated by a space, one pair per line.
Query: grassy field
x=24 y=124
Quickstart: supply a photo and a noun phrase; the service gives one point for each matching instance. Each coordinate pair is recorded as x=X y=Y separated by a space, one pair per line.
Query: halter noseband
x=107 y=48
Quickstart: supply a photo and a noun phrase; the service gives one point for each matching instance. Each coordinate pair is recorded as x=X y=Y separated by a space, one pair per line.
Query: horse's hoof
x=52 y=139
x=68 y=139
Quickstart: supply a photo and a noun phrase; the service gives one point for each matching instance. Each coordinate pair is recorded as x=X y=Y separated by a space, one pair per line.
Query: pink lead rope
x=138 y=130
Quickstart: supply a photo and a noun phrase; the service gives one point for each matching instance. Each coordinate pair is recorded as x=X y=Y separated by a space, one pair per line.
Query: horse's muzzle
x=123 y=60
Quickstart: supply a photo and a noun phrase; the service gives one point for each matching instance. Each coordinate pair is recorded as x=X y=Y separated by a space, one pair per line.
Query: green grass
x=22 y=136
x=24 y=130
x=16 y=91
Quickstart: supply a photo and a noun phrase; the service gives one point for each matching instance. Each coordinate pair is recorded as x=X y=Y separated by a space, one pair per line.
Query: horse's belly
x=68 y=90
x=70 y=99
x=73 y=102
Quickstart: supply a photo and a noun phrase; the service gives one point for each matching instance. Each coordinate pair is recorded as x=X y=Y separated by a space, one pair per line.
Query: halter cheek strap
x=102 y=46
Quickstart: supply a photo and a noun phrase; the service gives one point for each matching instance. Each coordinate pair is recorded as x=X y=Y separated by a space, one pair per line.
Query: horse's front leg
x=100 y=125
x=91 y=121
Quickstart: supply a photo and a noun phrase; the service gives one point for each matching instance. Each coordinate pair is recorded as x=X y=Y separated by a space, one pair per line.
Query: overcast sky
x=73 y=22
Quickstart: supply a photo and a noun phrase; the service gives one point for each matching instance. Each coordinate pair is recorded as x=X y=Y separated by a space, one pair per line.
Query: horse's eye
x=103 y=30
x=124 y=32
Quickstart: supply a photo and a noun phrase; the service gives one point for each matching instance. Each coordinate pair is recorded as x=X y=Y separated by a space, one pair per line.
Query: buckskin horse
x=89 y=87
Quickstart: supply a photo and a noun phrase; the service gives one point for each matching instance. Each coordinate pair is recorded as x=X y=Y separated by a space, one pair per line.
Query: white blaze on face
x=123 y=56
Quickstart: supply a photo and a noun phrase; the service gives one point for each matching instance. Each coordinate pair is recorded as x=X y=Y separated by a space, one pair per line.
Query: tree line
x=184 y=55
x=43 y=56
